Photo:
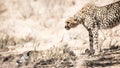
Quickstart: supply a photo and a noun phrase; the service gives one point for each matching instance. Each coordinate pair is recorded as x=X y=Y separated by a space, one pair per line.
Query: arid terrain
x=32 y=35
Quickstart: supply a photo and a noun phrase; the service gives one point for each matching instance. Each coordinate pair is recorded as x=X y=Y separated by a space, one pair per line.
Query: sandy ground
x=32 y=35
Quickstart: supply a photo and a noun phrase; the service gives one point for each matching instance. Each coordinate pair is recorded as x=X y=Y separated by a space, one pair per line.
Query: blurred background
x=27 y=25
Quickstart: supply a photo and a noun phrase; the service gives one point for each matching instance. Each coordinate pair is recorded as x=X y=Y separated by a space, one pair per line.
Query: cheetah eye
x=67 y=22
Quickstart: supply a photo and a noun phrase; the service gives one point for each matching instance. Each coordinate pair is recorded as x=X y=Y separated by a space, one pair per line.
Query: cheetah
x=94 y=18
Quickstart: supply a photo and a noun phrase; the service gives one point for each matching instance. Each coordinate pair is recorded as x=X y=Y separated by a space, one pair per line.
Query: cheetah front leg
x=91 y=51
x=93 y=40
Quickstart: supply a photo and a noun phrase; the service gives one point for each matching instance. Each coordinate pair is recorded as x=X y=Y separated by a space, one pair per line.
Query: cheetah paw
x=89 y=52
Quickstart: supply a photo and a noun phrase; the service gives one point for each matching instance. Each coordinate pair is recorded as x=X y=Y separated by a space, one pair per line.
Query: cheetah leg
x=91 y=40
x=91 y=51
x=95 y=41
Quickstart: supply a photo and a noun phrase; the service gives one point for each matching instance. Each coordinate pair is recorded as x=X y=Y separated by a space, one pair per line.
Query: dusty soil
x=109 y=58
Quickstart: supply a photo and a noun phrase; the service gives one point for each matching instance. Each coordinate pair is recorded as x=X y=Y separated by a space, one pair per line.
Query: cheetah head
x=71 y=23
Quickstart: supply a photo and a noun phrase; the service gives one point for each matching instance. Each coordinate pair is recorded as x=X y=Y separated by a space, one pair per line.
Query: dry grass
x=32 y=34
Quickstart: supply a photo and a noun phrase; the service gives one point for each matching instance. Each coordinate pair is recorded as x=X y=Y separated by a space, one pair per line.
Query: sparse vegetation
x=58 y=57
x=32 y=36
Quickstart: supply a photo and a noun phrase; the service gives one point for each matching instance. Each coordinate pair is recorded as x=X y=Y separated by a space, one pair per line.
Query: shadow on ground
x=109 y=57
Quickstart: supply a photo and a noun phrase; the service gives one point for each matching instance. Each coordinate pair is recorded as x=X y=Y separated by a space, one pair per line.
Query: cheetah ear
x=75 y=18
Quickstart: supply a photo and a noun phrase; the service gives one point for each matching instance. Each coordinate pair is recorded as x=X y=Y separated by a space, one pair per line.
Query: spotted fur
x=94 y=18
